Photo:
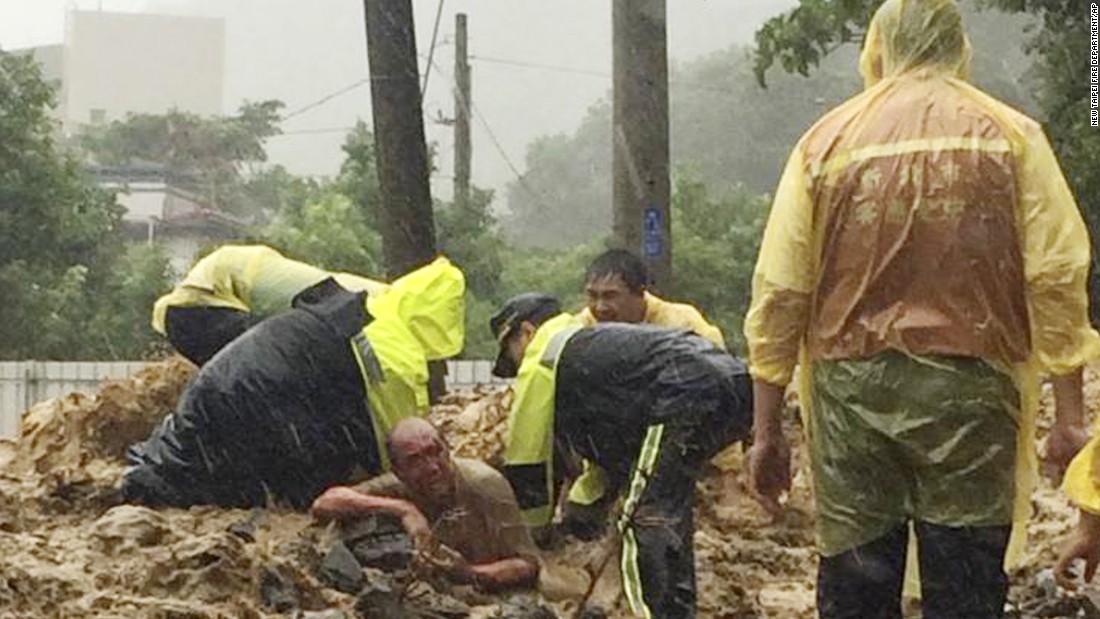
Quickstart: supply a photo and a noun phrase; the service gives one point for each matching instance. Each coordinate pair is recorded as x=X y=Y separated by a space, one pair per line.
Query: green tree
x=50 y=215
x=359 y=174
x=470 y=238
x=58 y=243
x=329 y=231
x=208 y=156
x=716 y=240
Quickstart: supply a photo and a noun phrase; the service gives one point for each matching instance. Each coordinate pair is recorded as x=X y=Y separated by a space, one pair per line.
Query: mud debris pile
x=68 y=549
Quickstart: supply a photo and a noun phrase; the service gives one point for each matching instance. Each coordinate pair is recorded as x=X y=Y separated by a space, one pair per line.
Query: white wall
x=25 y=383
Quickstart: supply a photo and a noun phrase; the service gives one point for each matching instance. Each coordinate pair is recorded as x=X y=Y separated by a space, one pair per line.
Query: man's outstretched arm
x=502 y=575
x=343 y=503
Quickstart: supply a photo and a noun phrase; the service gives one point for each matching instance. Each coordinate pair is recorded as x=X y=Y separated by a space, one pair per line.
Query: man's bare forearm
x=343 y=503
x=767 y=407
x=1069 y=399
x=511 y=573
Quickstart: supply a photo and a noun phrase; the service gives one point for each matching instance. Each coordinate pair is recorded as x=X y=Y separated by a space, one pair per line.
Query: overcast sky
x=300 y=52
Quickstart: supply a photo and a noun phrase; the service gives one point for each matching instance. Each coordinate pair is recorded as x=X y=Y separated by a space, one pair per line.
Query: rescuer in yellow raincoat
x=305 y=399
x=925 y=263
x=232 y=288
x=616 y=286
x=649 y=406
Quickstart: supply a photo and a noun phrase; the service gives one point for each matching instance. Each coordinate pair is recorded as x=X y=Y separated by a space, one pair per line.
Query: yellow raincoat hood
x=431 y=302
x=906 y=35
x=420 y=317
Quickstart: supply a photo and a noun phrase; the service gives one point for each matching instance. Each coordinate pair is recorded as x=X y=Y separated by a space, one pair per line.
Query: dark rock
x=379 y=601
x=379 y=541
x=593 y=612
x=340 y=570
x=277 y=592
x=524 y=609
x=433 y=603
x=246 y=527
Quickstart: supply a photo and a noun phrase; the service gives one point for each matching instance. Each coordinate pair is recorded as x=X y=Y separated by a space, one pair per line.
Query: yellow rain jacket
x=250 y=278
x=529 y=445
x=662 y=313
x=592 y=483
x=1082 y=480
x=924 y=168
x=420 y=317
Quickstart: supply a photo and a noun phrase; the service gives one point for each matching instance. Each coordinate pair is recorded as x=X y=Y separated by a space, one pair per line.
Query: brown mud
x=67 y=549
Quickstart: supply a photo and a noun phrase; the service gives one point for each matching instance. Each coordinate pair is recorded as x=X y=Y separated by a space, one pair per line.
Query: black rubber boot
x=962 y=571
x=865 y=582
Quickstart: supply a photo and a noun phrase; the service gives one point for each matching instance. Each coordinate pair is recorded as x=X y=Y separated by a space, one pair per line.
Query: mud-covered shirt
x=483 y=524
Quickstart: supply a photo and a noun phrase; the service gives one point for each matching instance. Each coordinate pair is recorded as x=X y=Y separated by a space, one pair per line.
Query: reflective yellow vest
x=529 y=445
x=250 y=278
x=421 y=317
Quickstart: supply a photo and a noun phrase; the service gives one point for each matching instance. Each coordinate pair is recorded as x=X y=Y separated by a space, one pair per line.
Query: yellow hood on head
x=906 y=35
x=431 y=303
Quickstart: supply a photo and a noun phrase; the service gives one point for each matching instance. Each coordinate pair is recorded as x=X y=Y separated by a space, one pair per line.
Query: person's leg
x=964 y=458
x=658 y=563
x=198 y=333
x=864 y=582
x=962 y=572
x=862 y=491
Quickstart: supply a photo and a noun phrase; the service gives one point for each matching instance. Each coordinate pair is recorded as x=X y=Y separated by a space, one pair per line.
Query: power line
x=314 y=131
x=431 y=47
x=537 y=65
x=326 y=98
x=496 y=143
x=591 y=73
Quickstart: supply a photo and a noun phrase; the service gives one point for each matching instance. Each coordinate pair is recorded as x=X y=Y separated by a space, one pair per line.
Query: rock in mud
x=127 y=526
x=278 y=593
x=379 y=541
x=341 y=570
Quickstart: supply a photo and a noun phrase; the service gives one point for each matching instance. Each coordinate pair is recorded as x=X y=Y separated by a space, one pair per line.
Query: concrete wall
x=25 y=383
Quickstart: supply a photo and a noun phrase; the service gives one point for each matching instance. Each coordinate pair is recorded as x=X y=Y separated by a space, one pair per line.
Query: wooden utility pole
x=408 y=230
x=462 y=116
x=640 y=124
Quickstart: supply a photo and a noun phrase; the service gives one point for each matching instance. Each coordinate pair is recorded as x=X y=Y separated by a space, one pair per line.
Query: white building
x=112 y=64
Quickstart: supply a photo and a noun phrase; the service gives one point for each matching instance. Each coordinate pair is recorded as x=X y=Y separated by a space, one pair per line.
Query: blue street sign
x=653 y=232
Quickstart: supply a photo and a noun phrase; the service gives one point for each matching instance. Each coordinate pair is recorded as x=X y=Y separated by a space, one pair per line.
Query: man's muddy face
x=611 y=300
x=423 y=463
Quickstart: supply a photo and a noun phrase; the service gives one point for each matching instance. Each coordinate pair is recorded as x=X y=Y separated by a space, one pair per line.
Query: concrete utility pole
x=640 y=160
x=408 y=229
x=462 y=116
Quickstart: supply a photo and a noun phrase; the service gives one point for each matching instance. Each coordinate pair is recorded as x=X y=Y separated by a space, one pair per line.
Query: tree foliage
x=205 y=155
x=724 y=125
x=50 y=216
x=72 y=291
x=329 y=231
x=715 y=239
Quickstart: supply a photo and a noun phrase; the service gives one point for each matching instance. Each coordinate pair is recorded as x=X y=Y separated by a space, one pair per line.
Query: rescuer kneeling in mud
x=649 y=406
x=232 y=289
x=303 y=400
x=462 y=504
x=617 y=290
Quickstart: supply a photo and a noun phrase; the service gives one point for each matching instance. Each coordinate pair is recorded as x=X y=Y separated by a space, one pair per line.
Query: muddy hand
x=1064 y=442
x=770 y=473
x=1083 y=543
